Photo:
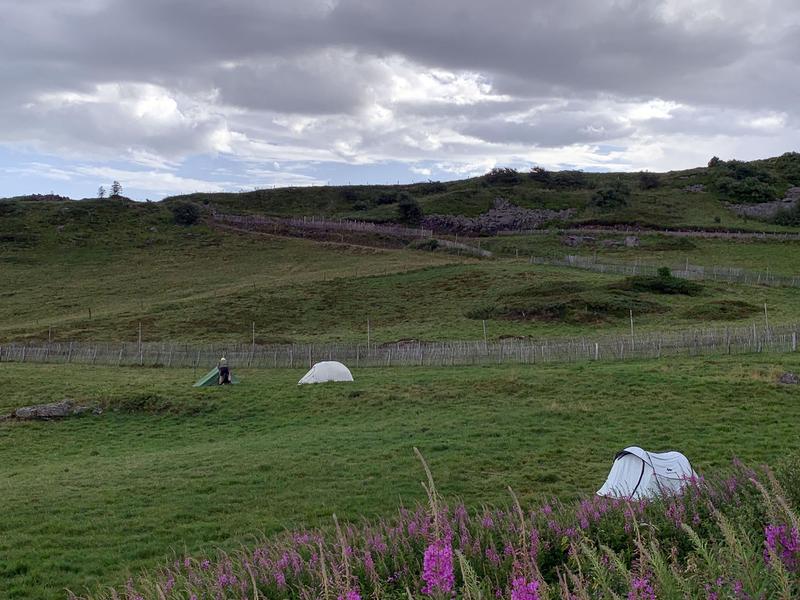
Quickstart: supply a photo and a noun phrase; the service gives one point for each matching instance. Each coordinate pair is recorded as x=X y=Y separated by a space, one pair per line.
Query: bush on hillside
x=570 y=180
x=502 y=176
x=613 y=196
x=409 y=212
x=648 y=180
x=431 y=187
x=185 y=213
x=742 y=181
x=788 y=216
x=663 y=283
x=386 y=198
x=540 y=175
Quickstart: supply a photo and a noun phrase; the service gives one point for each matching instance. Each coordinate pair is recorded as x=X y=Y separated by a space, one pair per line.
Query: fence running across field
x=318 y=223
x=730 y=340
x=685 y=271
x=682 y=233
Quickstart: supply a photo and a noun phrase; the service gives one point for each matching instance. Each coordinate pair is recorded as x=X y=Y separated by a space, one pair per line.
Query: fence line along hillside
x=696 y=342
x=686 y=271
x=257 y=222
x=319 y=227
x=683 y=233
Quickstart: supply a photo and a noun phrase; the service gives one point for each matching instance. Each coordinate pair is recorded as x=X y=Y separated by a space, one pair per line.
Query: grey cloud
x=331 y=61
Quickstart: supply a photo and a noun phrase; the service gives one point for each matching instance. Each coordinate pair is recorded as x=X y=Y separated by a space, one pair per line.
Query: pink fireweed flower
x=522 y=589
x=783 y=543
x=437 y=568
x=641 y=589
x=350 y=595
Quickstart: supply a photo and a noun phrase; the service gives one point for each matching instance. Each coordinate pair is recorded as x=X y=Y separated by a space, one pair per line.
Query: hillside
x=694 y=198
x=96 y=269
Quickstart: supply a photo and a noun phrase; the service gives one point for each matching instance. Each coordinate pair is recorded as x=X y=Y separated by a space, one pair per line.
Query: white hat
x=222 y=360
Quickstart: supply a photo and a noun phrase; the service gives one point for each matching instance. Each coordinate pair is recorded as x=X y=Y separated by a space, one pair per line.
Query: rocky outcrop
x=503 y=216
x=768 y=210
x=53 y=410
x=789 y=379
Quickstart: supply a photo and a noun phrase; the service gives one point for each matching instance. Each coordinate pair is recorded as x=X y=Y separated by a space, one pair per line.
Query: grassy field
x=167 y=467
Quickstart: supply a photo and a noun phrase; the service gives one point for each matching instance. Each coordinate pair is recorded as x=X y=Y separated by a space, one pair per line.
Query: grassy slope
x=128 y=263
x=88 y=500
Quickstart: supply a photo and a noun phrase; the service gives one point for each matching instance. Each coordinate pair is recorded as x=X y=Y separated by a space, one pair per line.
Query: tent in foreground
x=637 y=474
x=328 y=370
x=212 y=378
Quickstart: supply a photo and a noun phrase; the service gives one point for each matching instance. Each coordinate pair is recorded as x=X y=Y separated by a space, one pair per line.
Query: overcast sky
x=172 y=96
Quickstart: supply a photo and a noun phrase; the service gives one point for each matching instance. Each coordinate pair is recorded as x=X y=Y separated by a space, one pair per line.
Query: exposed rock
x=608 y=243
x=697 y=187
x=503 y=216
x=767 y=210
x=631 y=241
x=53 y=410
x=789 y=379
x=576 y=240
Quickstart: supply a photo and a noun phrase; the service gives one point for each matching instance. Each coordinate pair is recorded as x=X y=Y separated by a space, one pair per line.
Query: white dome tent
x=637 y=474
x=328 y=370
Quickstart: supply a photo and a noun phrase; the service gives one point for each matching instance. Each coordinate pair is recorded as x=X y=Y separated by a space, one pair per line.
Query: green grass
x=88 y=500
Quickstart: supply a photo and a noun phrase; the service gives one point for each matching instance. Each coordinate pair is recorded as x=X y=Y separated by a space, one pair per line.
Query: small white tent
x=638 y=474
x=329 y=370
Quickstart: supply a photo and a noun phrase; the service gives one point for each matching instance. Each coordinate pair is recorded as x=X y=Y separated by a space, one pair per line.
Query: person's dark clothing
x=224 y=375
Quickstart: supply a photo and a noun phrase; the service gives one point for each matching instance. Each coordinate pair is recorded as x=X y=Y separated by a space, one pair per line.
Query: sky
x=177 y=96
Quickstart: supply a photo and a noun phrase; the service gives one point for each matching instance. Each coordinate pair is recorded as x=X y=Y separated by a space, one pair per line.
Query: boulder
x=789 y=379
x=631 y=241
x=53 y=410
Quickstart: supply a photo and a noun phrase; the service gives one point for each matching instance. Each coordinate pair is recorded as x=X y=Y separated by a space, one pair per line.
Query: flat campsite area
x=89 y=500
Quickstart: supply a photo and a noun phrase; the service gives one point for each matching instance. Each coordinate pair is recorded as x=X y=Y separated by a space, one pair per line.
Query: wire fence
x=685 y=271
x=694 y=342
x=682 y=233
x=318 y=223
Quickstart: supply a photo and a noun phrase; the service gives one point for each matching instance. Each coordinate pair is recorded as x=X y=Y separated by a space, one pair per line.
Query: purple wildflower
x=522 y=589
x=784 y=543
x=641 y=589
x=437 y=568
x=350 y=595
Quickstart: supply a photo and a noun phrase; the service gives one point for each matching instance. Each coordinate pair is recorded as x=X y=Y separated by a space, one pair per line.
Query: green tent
x=212 y=377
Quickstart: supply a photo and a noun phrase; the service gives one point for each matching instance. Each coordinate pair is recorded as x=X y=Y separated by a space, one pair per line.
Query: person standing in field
x=224 y=371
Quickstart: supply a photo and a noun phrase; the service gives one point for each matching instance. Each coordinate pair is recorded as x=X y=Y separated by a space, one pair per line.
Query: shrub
x=502 y=176
x=788 y=216
x=409 y=212
x=431 y=187
x=614 y=196
x=360 y=205
x=648 y=180
x=349 y=195
x=386 y=198
x=573 y=180
x=663 y=283
x=714 y=162
x=185 y=213
x=541 y=175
